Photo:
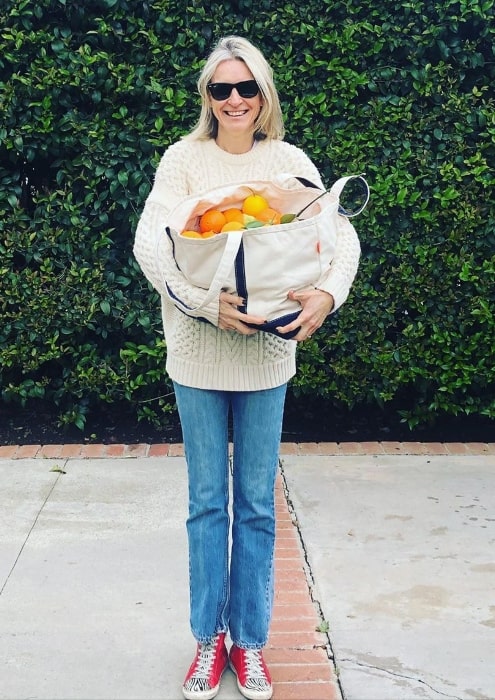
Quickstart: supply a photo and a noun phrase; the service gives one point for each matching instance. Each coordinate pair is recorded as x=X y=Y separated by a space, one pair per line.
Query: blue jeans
x=236 y=597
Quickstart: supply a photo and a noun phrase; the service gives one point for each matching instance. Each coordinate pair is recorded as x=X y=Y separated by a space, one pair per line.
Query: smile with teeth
x=238 y=113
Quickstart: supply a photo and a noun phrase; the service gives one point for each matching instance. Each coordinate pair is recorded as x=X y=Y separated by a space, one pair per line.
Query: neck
x=235 y=146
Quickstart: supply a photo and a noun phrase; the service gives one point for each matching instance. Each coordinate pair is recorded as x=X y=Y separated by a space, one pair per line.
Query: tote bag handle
x=336 y=190
x=338 y=187
x=232 y=244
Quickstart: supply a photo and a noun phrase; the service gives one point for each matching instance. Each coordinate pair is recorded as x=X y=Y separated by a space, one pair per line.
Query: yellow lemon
x=253 y=204
x=232 y=226
x=191 y=234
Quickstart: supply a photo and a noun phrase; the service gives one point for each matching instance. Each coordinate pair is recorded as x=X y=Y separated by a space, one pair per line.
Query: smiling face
x=236 y=115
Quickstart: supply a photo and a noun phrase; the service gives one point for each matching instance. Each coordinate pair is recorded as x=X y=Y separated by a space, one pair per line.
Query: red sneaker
x=203 y=678
x=253 y=677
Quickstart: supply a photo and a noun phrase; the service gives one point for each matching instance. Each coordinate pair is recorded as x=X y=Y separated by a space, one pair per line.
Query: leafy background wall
x=92 y=92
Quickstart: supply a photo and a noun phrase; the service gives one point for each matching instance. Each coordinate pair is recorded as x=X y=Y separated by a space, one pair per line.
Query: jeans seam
x=226 y=572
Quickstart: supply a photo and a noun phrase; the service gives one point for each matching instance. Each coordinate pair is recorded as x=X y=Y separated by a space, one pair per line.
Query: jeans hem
x=251 y=647
x=207 y=640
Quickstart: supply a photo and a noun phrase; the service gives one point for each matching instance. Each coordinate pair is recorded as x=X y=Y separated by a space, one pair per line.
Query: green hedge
x=92 y=92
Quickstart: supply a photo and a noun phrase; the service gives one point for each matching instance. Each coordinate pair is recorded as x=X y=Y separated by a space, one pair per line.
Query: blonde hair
x=269 y=123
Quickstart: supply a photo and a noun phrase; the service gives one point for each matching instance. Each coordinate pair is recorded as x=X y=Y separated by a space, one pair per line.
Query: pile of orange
x=255 y=211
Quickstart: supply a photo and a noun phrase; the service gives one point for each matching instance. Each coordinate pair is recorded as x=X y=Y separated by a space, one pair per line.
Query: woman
x=225 y=365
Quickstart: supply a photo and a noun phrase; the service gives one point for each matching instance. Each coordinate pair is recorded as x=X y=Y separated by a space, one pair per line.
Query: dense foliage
x=92 y=91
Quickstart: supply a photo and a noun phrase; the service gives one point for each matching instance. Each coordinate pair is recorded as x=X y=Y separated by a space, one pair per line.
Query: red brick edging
x=298 y=654
x=101 y=451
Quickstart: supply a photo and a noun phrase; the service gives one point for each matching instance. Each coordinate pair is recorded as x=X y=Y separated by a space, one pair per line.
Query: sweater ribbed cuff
x=338 y=287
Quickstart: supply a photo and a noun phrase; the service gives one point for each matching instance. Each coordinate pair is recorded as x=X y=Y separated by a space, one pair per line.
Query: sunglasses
x=222 y=91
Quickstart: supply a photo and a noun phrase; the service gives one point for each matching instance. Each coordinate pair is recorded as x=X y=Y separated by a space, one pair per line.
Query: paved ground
x=390 y=545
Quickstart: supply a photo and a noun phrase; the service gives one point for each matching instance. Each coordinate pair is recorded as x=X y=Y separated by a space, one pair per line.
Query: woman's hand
x=230 y=319
x=316 y=305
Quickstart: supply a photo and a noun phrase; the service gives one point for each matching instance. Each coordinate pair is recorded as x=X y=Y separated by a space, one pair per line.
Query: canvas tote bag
x=261 y=264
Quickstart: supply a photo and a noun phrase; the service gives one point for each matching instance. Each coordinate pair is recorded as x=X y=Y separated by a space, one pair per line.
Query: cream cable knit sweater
x=200 y=354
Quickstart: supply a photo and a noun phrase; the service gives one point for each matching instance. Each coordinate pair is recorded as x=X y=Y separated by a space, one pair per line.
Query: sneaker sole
x=201 y=694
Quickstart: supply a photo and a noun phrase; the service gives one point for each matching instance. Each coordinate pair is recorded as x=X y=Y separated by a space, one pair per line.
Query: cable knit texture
x=200 y=354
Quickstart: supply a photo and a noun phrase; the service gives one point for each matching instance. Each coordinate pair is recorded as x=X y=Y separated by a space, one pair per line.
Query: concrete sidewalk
x=402 y=553
x=395 y=552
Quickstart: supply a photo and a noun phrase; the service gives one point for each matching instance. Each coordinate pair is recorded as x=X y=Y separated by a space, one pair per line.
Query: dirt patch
x=40 y=427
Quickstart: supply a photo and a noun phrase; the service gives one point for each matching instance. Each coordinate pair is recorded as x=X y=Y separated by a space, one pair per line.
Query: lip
x=236 y=112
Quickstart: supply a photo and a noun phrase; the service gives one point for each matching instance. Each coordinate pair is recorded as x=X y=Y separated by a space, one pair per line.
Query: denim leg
x=204 y=420
x=257 y=420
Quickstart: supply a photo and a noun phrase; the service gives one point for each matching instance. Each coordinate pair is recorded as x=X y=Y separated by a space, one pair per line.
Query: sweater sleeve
x=169 y=188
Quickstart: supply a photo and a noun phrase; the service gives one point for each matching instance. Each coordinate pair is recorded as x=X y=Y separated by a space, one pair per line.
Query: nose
x=235 y=98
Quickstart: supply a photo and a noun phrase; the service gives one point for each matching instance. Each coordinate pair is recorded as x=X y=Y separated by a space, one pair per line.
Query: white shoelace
x=254 y=665
x=204 y=664
x=205 y=661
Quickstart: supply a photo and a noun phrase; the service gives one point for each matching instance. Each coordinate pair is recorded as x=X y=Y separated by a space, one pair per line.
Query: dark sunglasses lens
x=222 y=91
x=249 y=88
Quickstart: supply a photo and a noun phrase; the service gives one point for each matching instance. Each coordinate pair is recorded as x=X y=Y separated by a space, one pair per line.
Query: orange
x=234 y=214
x=269 y=216
x=191 y=234
x=232 y=226
x=212 y=220
x=253 y=204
